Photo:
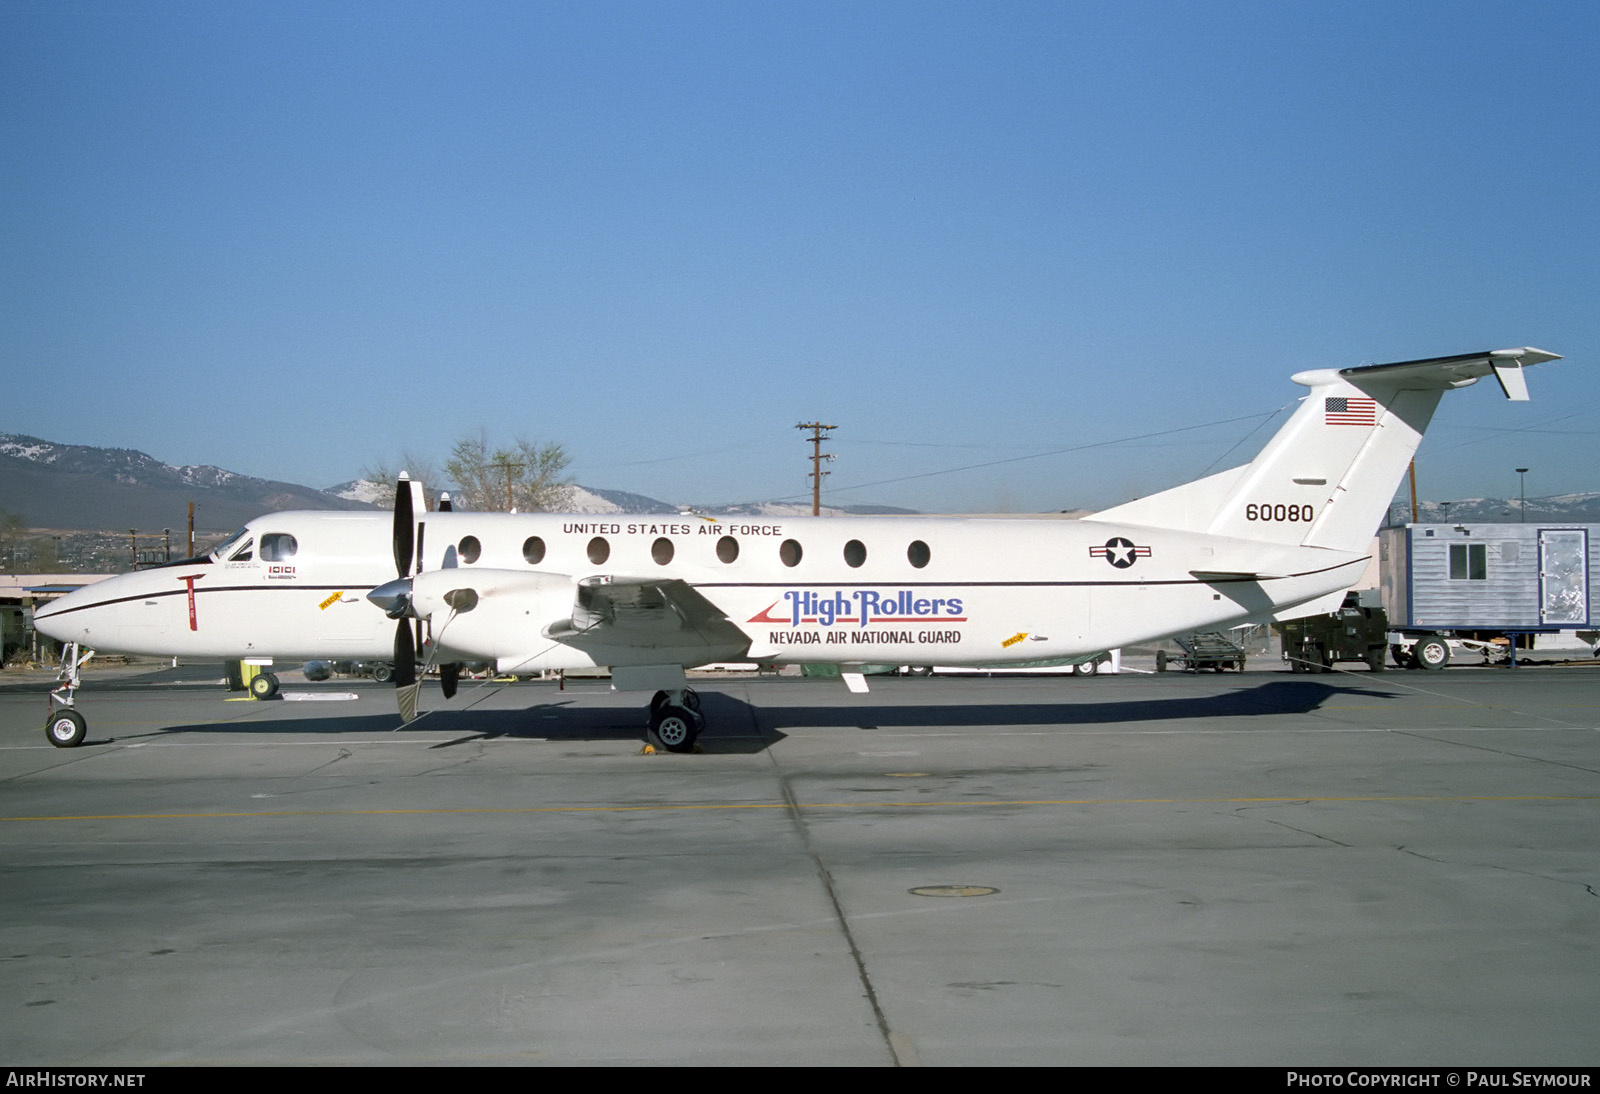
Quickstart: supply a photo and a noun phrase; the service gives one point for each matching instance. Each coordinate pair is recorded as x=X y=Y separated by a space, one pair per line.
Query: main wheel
x=1161 y=660
x=66 y=729
x=675 y=727
x=264 y=685
x=1085 y=668
x=383 y=672
x=1433 y=653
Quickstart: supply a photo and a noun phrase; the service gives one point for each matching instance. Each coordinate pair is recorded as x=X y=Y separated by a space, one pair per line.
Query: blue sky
x=294 y=239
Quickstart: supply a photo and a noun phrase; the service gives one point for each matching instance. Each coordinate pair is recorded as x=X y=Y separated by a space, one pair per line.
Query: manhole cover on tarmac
x=954 y=890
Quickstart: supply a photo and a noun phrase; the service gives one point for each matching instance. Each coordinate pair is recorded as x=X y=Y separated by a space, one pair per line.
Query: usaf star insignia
x=1120 y=552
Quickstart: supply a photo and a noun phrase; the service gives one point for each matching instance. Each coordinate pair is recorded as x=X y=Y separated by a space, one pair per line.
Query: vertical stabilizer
x=1327 y=477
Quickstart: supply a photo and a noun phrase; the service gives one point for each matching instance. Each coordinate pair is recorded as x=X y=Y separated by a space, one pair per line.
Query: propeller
x=405 y=538
x=396 y=599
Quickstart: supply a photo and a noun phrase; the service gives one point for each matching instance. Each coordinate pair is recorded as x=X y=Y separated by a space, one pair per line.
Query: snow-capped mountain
x=74 y=486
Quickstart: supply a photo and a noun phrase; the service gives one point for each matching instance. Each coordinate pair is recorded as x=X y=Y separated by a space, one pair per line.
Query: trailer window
x=1469 y=561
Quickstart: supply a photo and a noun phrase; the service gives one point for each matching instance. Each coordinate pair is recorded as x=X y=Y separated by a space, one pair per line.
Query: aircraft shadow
x=735 y=726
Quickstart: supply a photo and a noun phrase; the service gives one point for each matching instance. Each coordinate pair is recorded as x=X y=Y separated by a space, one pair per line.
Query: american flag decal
x=1340 y=410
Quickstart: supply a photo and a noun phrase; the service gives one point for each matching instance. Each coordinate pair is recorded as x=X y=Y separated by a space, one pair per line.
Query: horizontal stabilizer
x=1234 y=575
x=1458 y=371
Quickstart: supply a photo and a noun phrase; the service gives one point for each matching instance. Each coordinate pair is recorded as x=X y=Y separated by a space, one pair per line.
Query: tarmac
x=1256 y=868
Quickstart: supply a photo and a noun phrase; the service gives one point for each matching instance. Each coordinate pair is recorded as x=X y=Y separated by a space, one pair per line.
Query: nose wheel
x=66 y=728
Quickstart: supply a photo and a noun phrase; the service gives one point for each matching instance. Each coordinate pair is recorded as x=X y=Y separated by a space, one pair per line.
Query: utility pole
x=1522 y=495
x=818 y=435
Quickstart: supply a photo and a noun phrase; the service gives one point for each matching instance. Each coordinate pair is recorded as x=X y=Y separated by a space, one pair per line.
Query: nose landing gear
x=65 y=727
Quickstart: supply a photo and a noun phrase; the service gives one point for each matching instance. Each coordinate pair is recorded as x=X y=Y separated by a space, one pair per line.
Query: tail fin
x=1329 y=474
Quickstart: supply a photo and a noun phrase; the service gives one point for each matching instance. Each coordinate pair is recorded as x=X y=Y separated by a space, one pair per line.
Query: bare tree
x=421 y=469
x=525 y=476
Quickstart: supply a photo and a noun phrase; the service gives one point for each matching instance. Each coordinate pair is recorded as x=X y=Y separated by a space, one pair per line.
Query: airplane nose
x=53 y=621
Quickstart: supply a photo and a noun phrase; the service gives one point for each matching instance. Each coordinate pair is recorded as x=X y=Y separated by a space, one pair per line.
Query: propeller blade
x=449 y=677
x=404 y=526
x=405 y=655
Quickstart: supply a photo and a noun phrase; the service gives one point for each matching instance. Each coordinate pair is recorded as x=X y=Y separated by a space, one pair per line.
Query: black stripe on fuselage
x=156 y=595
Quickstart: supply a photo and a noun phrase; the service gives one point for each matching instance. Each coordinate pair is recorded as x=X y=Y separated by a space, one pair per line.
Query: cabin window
x=727 y=549
x=599 y=550
x=855 y=553
x=661 y=551
x=918 y=554
x=533 y=550
x=278 y=547
x=790 y=552
x=1469 y=561
x=469 y=549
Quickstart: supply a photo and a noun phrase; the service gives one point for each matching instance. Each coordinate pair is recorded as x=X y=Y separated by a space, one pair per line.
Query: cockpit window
x=278 y=547
x=243 y=554
x=227 y=551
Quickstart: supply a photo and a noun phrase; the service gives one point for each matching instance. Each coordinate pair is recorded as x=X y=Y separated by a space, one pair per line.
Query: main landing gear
x=675 y=719
x=65 y=727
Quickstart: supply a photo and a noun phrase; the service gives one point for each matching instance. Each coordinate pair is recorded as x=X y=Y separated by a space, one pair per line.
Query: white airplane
x=1282 y=536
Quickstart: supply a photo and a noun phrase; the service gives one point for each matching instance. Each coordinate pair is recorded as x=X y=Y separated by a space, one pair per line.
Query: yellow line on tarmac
x=734 y=807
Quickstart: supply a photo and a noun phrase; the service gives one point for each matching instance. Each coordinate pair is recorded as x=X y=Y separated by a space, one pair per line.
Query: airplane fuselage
x=898 y=590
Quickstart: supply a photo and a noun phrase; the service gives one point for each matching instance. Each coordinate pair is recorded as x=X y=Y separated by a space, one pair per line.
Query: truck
x=1356 y=632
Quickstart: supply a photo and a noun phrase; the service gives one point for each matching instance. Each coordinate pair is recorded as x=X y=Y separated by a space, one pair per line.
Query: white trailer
x=1482 y=587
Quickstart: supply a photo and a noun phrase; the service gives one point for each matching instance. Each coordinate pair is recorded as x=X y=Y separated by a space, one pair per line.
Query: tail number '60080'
x=1278 y=512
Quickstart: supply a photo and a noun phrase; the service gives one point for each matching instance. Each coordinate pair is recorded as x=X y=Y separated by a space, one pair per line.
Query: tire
x=1375 y=659
x=1085 y=668
x=383 y=672
x=675 y=727
x=1295 y=664
x=1433 y=653
x=927 y=670
x=1161 y=660
x=66 y=729
x=263 y=685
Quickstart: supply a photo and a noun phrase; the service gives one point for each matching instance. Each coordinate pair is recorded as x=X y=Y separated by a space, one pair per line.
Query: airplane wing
x=648 y=616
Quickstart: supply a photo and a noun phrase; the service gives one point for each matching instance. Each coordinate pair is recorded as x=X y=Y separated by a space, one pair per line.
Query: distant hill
x=1560 y=509
x=73 y=487
x=82 y=488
